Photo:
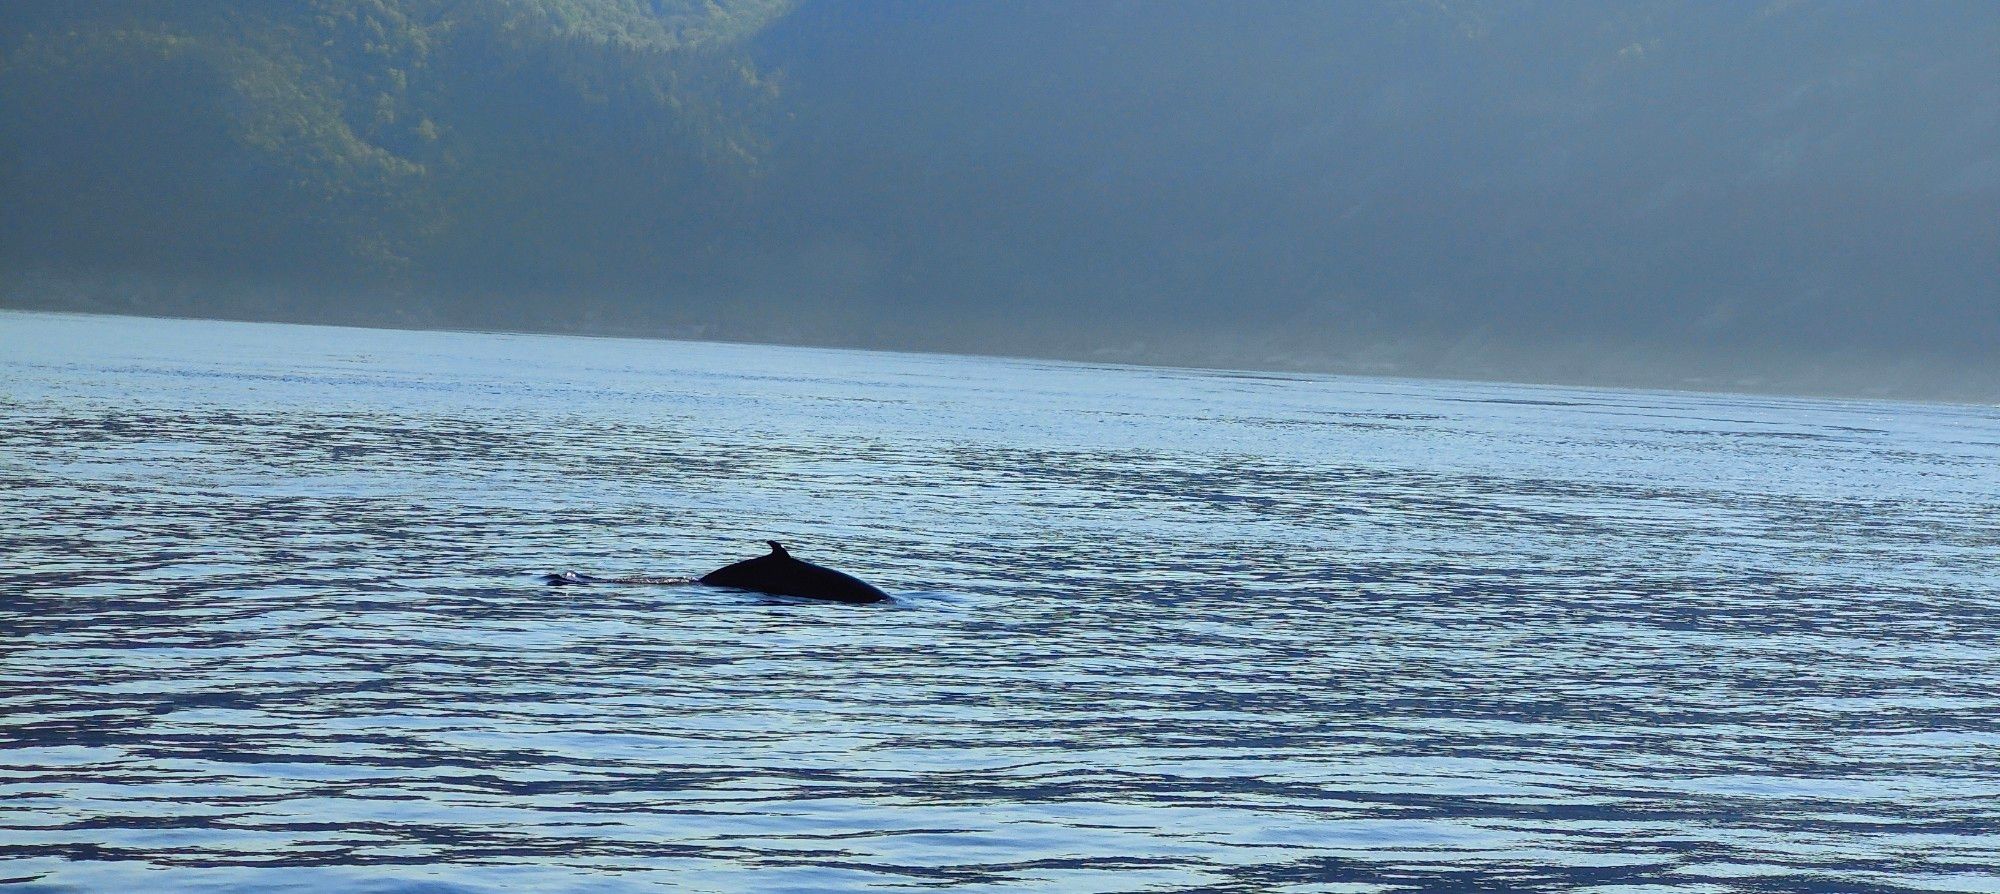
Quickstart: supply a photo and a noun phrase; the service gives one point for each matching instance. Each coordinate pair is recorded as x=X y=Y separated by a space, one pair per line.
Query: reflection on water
x=272 y=621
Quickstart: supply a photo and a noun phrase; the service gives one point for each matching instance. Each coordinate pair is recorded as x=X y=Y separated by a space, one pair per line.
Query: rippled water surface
x=272 y=621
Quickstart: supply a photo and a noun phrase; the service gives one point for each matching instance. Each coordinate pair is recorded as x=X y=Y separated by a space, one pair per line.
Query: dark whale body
x=781 y=575
x=777 y=574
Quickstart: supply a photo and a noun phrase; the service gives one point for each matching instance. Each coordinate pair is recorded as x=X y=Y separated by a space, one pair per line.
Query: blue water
x=272 y=621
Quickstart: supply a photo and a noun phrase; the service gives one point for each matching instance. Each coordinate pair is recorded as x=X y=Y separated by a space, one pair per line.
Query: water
x=272 y=622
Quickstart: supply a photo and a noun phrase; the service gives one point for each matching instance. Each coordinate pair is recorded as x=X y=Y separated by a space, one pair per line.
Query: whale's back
x=781 y=575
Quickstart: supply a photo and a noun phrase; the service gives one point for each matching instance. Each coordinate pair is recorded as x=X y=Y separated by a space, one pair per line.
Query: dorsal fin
x=777 y=549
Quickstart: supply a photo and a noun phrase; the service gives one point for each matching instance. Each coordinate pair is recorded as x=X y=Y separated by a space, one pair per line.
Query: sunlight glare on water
x=273 y=620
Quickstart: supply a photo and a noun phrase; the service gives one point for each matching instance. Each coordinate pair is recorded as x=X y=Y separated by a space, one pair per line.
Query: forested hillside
x=1779 y=194
x=416 y=160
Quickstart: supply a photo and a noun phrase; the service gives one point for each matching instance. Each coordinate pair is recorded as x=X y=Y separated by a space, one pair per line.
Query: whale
x=777 y=573
x=780 y=574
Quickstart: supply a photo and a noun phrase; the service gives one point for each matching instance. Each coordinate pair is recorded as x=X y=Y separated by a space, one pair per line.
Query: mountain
x=1791 y=195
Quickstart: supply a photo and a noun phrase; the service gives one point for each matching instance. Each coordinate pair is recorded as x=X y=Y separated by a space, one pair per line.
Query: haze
x=1797 y=196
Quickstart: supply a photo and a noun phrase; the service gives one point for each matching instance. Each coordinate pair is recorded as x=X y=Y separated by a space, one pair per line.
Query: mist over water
x=271 y=620
x=1799 y=197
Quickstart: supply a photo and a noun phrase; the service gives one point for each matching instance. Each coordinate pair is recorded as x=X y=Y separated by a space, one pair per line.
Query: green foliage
x=374 y=137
